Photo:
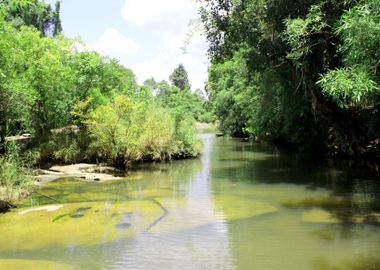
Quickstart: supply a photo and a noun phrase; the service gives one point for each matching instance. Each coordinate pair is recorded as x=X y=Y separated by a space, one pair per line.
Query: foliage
x=185 y=144
x=227 y=82
x=359 y=28
x=179 y=78
x=304 y=73
x=349 y=86
x=356 y=83
x=299 y=30
x=66 y=145
x=183 y=103
x=34 y=13
x=115 y=130
x=124 y=131
x=100 y=78
x=41 y=84
x=32 y=100
x=15 y=179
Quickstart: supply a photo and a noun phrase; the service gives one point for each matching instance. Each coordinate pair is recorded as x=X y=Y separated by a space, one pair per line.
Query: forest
x=303 y=73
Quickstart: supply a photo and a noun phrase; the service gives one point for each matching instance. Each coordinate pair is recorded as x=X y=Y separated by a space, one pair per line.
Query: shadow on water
x=353 y=195
x=268 y=164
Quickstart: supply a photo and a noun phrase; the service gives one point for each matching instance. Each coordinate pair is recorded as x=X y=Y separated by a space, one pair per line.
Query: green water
x=240 y=206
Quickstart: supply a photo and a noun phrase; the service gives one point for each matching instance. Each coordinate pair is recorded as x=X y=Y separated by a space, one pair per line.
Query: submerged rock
x=79 y=213
x=77 y=224
x=319 y=216
x=235 y=207
x=323 y=216
x=123 y=226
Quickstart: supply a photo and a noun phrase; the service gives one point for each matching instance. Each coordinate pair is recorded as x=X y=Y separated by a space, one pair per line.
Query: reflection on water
x=241 y=206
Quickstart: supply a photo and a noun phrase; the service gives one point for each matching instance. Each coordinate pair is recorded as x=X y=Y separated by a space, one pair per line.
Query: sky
x=146 y=36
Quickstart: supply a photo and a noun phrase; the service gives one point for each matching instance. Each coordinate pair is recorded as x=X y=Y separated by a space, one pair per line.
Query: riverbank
x=91 y=155
x=82 y=171
x=11 y=192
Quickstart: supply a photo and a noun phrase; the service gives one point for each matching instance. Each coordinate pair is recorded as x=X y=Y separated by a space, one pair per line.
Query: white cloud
x=114 y=44
x=163 y=64
x=169 y=20
x=159 y=14
x=149 y=68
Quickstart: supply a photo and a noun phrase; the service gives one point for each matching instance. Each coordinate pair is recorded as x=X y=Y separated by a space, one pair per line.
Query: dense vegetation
x=304 y=73
x=80 y=106
x=179 y=97
x=300 y=72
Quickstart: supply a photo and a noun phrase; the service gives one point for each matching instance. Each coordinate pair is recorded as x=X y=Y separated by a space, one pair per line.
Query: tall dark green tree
x=56 y=19
x=179 y=78
x=34 y=13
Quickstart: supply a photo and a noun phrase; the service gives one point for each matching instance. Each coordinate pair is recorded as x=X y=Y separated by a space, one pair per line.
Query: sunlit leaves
x=124 y=131
x=355 y=84
x=349 y=86
x=360 y=29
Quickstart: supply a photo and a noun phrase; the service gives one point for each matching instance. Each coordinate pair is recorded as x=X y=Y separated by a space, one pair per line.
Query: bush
x=124 y=131
x=66 y=145
x=185 y=143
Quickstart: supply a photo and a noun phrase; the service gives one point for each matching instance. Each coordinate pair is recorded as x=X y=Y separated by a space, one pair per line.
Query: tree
x=151 y=85
x=305 y=73
x=34 y=13
x=179 y=78
x=56 y=19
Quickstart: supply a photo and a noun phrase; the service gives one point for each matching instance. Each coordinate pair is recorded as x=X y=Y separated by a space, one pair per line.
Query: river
x=240 y=206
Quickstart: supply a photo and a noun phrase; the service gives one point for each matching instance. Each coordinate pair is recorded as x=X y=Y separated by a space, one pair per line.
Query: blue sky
x=145 y=35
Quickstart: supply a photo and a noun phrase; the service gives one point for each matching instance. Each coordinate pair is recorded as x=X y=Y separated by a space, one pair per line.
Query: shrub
x=124 y=131
x=185 y=143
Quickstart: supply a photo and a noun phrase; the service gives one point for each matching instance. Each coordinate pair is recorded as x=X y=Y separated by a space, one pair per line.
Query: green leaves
x=296 y=71
x=355 y=84
x=298 y=32
x=179 y=78
x=124 y=131
x=33 y=13
x=349 y=87
x=359 y=28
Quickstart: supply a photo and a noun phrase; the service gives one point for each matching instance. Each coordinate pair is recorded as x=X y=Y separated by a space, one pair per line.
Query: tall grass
x=15 y=176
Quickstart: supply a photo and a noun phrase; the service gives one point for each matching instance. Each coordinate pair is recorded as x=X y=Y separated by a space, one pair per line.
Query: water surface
x=240 y=206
